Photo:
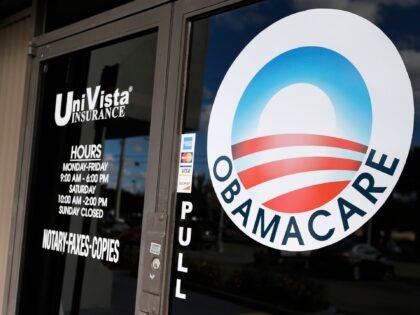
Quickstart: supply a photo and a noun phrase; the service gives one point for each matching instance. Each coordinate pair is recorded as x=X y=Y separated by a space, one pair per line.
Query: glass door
x=218 y=269
x=92 y=186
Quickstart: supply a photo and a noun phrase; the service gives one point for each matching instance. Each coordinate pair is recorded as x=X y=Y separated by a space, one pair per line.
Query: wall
x=15 y=33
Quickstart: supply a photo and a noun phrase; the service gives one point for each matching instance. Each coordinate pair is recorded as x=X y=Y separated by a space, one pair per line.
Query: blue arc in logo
x=301 y=129
x=326 y=69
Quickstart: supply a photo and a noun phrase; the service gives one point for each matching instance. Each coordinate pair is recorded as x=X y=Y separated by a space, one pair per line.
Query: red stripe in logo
x=306 y=198
x=268 y=171
x=277 y=141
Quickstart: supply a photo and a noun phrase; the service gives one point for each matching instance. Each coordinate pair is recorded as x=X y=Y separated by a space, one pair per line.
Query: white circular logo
x=310 y=129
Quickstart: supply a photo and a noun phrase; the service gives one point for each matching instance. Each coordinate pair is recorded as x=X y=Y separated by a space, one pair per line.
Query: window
x=372 y=272
x=85 y=209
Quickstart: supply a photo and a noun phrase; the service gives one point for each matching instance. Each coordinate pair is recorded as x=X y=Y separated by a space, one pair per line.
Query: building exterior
x=108 y=201
x=15 y=33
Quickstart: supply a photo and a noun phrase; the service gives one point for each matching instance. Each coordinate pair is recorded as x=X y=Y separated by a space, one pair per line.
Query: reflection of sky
x=135 y=164
x=231 y=31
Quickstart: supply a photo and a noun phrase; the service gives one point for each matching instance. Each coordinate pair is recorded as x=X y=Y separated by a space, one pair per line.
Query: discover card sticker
x=186 y=163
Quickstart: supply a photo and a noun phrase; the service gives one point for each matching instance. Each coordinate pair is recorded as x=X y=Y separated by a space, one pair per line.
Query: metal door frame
x=173 y=19
x=136 y=17
x=185 y=11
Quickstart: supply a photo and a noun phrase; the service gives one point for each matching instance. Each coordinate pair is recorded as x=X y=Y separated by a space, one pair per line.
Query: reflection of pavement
x=407 y=270
x=399 y=296
x=123 y=296
x=374 y=297
x=232 y=254
x=350 y=298
x=202 y=304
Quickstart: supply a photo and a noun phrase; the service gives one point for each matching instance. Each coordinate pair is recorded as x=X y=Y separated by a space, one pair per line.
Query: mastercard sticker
x=186 y=157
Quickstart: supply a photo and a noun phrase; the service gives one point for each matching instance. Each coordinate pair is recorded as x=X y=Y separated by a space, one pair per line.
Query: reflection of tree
x=204 y=196
x=267 y=284
x=244 y=267
x=208 y=208
x=126 y=228
x=131 y=203
x=400 y=212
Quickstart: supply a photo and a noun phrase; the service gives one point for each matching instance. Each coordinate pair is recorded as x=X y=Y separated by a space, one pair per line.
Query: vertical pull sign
x=184 y=239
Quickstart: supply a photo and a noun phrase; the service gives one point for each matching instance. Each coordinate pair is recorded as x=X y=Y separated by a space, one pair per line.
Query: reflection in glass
x=57 y=283
x=374 y=271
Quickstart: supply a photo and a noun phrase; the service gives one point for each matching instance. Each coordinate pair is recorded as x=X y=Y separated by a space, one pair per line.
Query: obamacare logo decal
x=310 y=129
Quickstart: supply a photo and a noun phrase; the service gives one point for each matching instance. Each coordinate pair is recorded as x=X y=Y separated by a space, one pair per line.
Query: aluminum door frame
x=185 y=12
x=173 y=20
x=111 y=25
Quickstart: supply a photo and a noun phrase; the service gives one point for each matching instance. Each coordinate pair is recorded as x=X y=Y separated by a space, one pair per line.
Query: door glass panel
x=222 y=271
x=85 y=207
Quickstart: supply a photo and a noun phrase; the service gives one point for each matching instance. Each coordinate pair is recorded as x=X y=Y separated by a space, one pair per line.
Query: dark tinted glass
x=374 y=271
x=60 y=13
x=91 y=268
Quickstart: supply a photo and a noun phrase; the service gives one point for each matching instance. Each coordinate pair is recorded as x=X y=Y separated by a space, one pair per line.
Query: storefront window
x=374 y=271
x=85 y=207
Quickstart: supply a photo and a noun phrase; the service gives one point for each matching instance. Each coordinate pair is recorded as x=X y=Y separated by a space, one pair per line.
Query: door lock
x=156 y=263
